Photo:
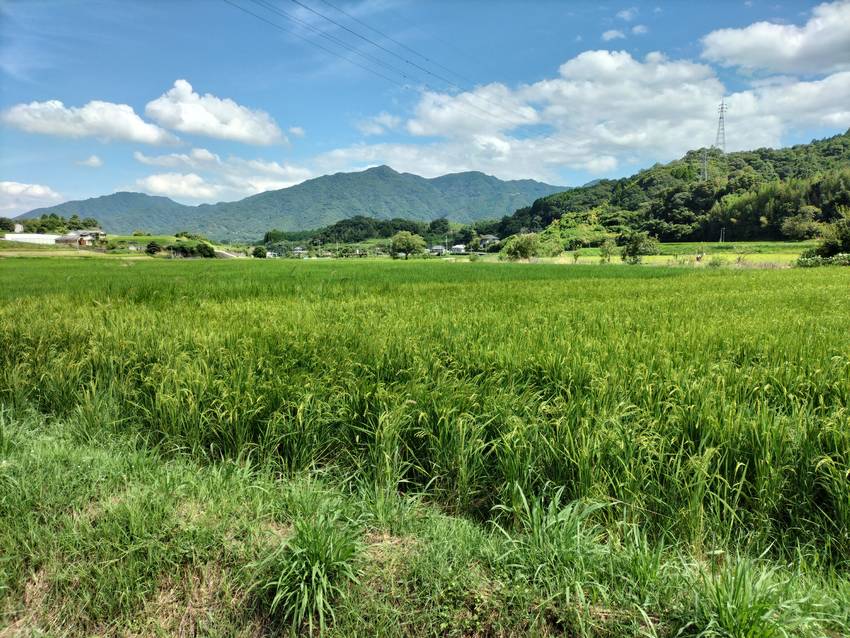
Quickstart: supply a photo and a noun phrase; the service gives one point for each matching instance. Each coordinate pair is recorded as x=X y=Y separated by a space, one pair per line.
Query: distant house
x=299 y=251
x=437 y=250
x=19 y=228
x=82 y=237
x=270 y=254
x=458 y=249
x=32 y=238
x=485 y=241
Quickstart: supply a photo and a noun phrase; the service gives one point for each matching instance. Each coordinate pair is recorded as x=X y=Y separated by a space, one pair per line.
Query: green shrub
x=836 y=238
x=259 y=252
x=637 y=244
x=204 y=250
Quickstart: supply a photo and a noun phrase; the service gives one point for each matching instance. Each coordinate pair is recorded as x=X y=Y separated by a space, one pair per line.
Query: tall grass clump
x=298 y=582
x=747 y=600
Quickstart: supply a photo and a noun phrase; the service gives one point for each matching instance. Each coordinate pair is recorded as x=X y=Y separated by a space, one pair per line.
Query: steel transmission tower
x=720 y=141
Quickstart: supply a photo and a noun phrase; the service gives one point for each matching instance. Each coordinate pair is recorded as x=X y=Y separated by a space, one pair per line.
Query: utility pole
x=704 y=173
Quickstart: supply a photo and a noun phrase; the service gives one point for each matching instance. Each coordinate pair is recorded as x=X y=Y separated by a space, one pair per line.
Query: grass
x=423 y=448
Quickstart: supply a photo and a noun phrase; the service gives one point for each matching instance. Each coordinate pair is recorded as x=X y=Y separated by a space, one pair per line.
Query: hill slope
x=748 y=193
x=377 y=192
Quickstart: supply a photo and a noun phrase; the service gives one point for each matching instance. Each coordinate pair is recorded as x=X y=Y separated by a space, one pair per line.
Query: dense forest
x=766 y=194
x=763 y=194
x=360 y=228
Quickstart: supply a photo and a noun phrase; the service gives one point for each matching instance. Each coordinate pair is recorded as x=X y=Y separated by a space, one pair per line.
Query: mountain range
x=379 y=192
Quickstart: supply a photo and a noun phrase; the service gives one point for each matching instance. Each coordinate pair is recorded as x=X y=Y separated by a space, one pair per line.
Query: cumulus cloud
x=93 y=161
x=627 y=14
x=493 y=107
x=230 y=178
x=613 y=34
x=297 y=131
x=184 y=110
x=604 y=109
x=181 y=185
x=640 y=29
x=103 y=120
x=822 y=45
x=16 y=197
x=378 y=124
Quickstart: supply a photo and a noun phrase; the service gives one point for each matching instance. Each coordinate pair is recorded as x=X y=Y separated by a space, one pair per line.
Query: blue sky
x=200 y=101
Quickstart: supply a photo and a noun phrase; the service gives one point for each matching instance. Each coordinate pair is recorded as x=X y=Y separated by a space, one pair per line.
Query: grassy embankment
x=423 y=449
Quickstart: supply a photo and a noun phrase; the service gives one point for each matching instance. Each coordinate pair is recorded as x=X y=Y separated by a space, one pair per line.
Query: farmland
x=423 y=448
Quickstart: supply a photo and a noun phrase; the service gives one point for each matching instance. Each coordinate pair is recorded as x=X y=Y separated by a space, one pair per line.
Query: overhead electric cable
x=354 y=50
x=308 y=40
x=442 y=78
x=396 y=42
x=334 y=39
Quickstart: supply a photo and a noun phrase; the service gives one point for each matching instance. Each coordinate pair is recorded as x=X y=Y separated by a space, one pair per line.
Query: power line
x=334 y=39
x=406 y=60
x=354 y=50
x=309 y=41
x=396 y=42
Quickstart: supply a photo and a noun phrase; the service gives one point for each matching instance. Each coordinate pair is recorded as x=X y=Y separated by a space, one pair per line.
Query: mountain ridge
x=379 y=192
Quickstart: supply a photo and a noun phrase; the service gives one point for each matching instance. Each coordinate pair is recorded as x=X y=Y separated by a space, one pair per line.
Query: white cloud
x=627 y=14
x=93 y=161
x=297 y=131
x=103 y=120
x=640 y=29
x=822 y=45
x=613 y=34
x=604 y=110
x=196 y=159
x=184 y=110
x=379 y=124
x=16 y=198
x=180 y=185
x=488 y=108
x=231 y=178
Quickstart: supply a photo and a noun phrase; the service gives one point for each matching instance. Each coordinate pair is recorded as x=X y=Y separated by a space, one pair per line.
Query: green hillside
x=378 y=192
x=749 y=195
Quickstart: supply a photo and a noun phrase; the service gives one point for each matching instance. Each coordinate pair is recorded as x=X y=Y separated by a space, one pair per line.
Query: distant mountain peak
x=379 y=191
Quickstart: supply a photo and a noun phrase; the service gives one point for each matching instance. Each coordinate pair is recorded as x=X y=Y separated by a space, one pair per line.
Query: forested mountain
x=761 y=194
x=378 y=192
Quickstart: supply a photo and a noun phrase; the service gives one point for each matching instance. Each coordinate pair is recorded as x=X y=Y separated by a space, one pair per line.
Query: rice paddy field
x=423 y=448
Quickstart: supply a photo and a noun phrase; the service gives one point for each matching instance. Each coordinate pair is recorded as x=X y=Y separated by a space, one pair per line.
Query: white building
x=32 y=238
x=19 y=228
x=437 y=250
x=458 y=249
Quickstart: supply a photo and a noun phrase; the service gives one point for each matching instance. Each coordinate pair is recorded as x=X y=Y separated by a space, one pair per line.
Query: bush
x=523 y=246
x=836 y=238
x=813 y=261
x=204 y=250
x=606 y=250
x=259 y=252
x=153 y=248
x=637 y=244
